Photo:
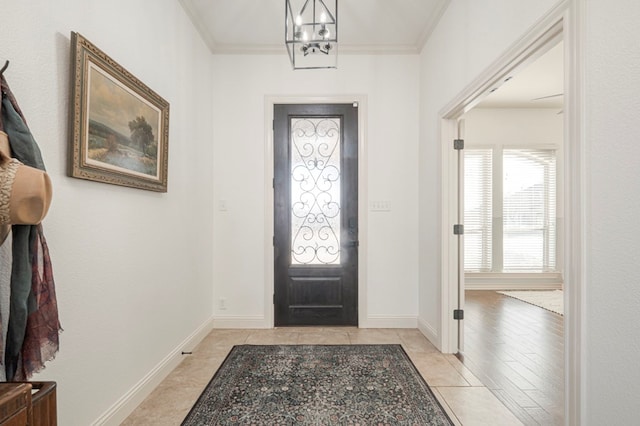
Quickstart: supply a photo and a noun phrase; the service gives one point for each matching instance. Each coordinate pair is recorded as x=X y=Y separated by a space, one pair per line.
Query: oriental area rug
x=317 y=385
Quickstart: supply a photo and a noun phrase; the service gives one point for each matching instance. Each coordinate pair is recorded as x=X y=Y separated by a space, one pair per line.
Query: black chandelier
x=311 y=33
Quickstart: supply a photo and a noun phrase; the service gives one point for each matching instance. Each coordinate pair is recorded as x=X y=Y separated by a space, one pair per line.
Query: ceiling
x=367 y=26
x=543 y=78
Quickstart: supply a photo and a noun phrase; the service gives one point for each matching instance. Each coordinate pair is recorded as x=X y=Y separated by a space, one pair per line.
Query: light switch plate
x=380 y=206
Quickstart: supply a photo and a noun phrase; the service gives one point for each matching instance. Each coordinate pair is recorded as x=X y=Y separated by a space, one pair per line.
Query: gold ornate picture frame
x=119 y=126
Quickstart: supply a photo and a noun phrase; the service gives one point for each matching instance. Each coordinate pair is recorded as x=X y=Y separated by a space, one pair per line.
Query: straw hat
x=25 y=192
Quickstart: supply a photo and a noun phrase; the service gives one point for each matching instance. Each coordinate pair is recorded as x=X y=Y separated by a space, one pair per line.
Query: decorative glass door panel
x=315 y=191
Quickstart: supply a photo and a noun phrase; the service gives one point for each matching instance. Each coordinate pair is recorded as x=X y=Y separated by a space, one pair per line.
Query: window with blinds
x=478 y=209
x=529 y=210
x=528 y=205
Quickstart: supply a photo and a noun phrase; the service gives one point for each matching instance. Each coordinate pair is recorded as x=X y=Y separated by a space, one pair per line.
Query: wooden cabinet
x=15 y=404
x=44 y=404
x=28 y=404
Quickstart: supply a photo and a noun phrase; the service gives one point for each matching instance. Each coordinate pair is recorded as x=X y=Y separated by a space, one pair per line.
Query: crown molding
x=441 y=8
x=191 y=12
x=256 y=49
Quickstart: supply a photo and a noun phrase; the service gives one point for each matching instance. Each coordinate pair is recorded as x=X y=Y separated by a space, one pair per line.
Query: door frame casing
x=566 y=21
x=363 y=200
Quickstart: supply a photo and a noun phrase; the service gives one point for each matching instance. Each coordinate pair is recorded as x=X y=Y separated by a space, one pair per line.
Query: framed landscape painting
x=119 y=126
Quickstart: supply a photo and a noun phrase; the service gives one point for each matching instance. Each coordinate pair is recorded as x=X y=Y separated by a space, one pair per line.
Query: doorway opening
x=512 y=200
x=545 y=34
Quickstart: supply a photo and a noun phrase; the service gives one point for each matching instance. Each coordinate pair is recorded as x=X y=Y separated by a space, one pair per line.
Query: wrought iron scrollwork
x=315 y=191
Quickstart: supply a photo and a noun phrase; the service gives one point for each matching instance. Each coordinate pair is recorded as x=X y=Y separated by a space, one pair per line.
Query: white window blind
x=477 y=209
x=529 y=210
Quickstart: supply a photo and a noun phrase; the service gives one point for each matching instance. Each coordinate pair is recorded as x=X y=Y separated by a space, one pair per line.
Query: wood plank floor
x=517 y=351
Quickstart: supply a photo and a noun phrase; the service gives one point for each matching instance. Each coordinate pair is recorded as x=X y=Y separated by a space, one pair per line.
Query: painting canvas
x=120 y=126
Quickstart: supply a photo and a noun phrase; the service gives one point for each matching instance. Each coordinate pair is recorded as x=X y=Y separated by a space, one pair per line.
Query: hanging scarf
x=33 y=329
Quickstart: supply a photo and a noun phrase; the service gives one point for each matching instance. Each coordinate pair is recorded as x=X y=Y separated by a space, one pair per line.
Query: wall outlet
x=222 y=304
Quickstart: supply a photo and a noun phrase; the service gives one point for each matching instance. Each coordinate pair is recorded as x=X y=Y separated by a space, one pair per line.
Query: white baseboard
x=119 y=411
x=513 y=281
x=384 y=321
x=259 y=322
x=430 y=333
x=505 y=287
x=240 y=322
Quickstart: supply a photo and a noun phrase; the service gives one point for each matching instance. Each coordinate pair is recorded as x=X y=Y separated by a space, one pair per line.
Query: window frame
x=497 y=229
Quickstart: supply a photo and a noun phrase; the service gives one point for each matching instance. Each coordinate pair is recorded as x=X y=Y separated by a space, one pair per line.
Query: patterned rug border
x=402 y=351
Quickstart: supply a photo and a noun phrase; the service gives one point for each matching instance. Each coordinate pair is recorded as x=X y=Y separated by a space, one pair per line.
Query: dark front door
x=316 y=214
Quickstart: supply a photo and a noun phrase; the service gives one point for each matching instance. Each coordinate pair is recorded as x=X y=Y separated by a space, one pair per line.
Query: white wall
x=511 y=127
x=132 y=268
x=612 y=132
x=470 y=36
x=240 y=86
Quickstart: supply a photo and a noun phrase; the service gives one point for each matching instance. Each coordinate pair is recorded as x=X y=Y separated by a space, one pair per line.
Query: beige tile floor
x=462 y=395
